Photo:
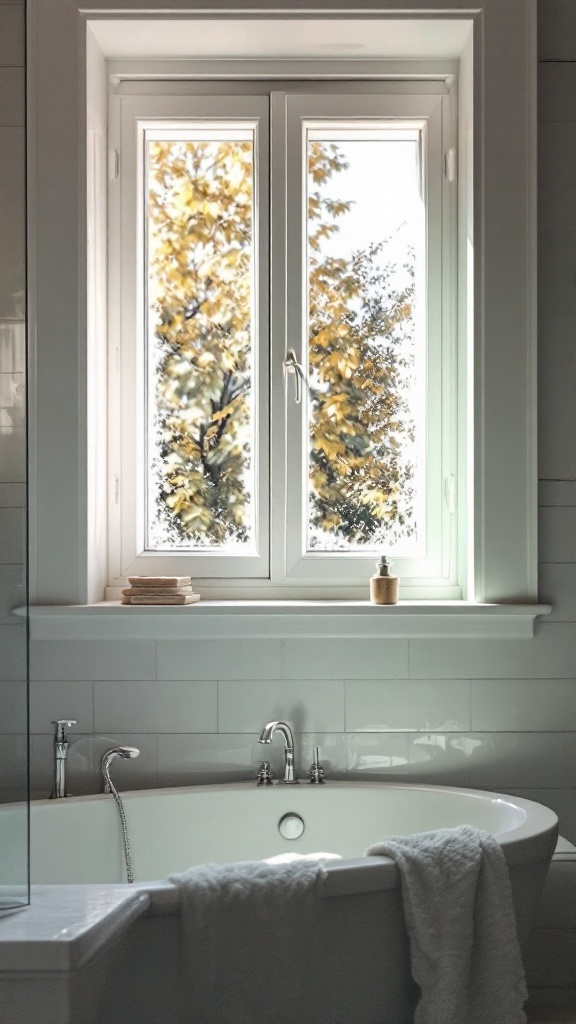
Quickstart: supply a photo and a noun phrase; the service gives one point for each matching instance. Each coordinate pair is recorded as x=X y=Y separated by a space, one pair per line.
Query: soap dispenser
x=383 y=586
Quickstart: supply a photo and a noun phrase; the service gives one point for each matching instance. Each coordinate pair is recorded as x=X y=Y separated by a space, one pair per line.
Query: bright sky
x=382 y=180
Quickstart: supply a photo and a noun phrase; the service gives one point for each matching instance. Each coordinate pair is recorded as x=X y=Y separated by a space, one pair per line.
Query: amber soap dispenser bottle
x=383 y=586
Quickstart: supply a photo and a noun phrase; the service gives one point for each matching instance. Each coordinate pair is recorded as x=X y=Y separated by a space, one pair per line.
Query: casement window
x=283 y=334
x=282 y=314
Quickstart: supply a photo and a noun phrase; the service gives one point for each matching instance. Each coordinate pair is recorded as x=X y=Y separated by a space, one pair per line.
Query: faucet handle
x=316 y=771
x=264 y=774
x=59 y=725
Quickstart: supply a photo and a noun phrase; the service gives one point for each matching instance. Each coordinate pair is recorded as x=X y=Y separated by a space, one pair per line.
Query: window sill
x=244 y=619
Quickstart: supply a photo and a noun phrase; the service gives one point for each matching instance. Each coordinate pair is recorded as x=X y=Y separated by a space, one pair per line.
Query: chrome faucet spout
x=267 y=735
x=269 y=730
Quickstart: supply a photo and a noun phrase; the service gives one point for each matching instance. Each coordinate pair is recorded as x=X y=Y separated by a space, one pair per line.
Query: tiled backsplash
x=195 y=709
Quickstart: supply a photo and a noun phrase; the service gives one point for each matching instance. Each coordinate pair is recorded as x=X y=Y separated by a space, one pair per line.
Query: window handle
x=291 y=365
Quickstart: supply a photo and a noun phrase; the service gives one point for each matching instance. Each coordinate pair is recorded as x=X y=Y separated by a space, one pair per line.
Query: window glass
x=366 y=339
x=200 y=296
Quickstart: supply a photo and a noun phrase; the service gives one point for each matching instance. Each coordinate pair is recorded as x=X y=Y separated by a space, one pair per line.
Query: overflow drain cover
x=291 y=826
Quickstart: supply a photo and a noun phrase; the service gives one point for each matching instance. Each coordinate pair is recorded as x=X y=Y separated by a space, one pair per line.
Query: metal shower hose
x=123 y=825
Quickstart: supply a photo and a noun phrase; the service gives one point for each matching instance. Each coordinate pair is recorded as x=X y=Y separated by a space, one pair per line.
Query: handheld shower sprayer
x=127 y=753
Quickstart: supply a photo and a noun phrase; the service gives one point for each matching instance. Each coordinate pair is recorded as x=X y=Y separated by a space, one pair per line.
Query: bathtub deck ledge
x=66 y=925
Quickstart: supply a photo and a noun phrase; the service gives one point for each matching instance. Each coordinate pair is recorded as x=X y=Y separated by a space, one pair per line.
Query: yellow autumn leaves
x=360 y=356
x=201 y=274
x=200 y=271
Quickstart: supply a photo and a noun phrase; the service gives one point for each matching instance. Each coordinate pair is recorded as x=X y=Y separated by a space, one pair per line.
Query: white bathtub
x=362 y=946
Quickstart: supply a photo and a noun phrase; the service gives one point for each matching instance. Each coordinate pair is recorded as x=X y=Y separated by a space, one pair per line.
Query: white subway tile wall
x=12 y=536
x=556 y=383
x=73 y=699
x=329 y=659
x=498 y=714
x=145 y=707
x=12 y=591
x=206 y=659
x=89 y=659
x=13 y=718
x=12 y=652
x=556 y=212
x=557 y=584
x=12 y=97
x=12 y=35
x=308 y=705
x=407 y=705
x=551 y=957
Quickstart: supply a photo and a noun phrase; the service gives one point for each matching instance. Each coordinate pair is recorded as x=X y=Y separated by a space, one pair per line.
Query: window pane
x=200 y=444
x=366 y=339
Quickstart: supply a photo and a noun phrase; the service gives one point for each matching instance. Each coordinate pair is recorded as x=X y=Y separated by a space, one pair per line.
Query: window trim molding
x=67 y=536
x=430 y=102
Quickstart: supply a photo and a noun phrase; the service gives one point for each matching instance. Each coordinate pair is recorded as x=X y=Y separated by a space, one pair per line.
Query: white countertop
x=65 y=925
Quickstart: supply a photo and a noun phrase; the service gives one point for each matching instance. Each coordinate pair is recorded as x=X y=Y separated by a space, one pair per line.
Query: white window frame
x=497 y=191
x=134 y=108
x=130 y=117
x=429 y=104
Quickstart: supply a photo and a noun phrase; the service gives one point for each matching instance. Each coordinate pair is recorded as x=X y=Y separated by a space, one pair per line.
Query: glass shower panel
x=14 y=870
x=14 y=860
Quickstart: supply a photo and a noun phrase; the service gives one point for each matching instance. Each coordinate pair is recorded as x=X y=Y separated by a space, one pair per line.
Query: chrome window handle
x=291 y=365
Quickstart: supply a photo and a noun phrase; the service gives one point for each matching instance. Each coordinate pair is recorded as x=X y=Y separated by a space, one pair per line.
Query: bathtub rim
x=532 y=840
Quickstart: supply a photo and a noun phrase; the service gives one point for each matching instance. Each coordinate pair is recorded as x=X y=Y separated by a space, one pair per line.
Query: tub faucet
x=60 y=756
x=266 y=737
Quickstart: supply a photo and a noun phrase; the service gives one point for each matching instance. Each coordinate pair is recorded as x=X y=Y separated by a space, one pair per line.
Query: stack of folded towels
x=159 y=590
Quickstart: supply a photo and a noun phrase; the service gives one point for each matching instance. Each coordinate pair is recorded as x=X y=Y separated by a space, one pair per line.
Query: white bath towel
x=248 y=935
x=460 y=919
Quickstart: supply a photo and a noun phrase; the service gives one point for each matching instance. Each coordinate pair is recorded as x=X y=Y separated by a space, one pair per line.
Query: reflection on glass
x=12 y=401
x=14 y=807
x=200 y=364
x=366 y=342
x=14 y=887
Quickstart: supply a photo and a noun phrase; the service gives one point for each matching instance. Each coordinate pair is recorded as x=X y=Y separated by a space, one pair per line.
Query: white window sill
x=241 y=619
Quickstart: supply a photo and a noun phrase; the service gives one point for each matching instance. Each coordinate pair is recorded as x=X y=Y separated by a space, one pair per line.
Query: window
x=480 y=504
x=285 y=331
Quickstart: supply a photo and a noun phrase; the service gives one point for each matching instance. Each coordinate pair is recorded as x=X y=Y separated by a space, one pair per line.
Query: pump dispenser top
x=383 y=586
